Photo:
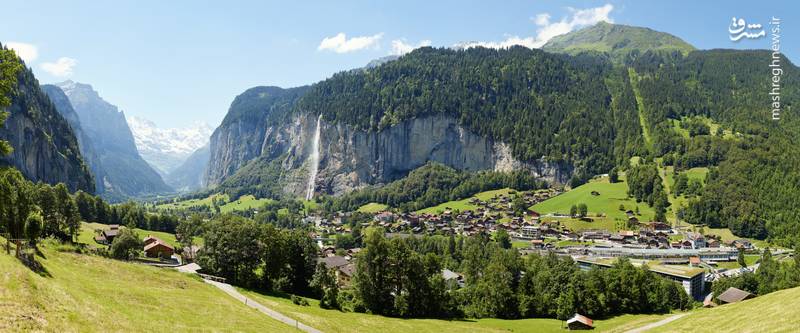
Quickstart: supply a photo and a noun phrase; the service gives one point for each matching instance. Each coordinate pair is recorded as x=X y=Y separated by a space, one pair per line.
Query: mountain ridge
x=120 y=171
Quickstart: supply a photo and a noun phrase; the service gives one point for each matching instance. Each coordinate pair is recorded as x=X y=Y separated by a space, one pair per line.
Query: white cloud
x=341 y=44
x=400 y=47
x=62 y=67
x=547 y=29
x=28 y=52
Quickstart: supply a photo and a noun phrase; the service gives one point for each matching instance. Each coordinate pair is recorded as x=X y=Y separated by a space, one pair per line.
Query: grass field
x=334 y=321
x=86 y=234
x=608 y=201
x=245 y=202
x=464 y=204
x=775 y=312
x=184 y=204
x=83 y=293
x=373 y=207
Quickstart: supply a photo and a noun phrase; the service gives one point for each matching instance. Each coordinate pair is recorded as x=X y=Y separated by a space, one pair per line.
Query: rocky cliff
x=351 y=158
x=45 y=146
x=116 y=164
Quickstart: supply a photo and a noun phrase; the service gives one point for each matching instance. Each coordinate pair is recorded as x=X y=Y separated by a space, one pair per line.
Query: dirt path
x=230 y=290
x=658 y=323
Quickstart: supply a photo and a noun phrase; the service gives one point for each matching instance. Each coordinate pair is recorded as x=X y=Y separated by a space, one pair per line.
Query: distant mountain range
x=119 y=170
x=167 y=148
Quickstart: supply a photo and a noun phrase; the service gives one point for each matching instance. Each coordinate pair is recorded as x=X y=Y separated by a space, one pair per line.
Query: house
x=580 y=322
x=712 y=243
x=742 y=243
x=697 y=240
x=660 y=226
x=530 y=231
x=107 y=236
x=452 y=278
x=343 y=269
x=156 y=248
x=733 y=295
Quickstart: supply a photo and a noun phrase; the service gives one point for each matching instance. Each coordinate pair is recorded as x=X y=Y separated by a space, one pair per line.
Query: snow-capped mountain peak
x=167 y=148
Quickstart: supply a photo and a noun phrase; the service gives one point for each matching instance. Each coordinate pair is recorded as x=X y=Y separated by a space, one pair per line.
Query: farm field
x=83 y=293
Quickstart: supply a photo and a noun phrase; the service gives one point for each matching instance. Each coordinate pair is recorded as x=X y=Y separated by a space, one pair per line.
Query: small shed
x=733 y=295
x=580 y=322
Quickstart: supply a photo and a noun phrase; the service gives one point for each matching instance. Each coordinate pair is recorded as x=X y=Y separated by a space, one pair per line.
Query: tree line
x=430 y=185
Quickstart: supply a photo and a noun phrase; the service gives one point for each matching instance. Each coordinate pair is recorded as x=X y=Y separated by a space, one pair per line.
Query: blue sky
x=177 y=62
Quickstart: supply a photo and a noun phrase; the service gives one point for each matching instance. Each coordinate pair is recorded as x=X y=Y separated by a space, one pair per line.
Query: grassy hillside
x=609 y=197
x=373 y=207
x=82 y=293
x=86 y=234
x=775 y=312
x=464 y=204
x=617 y=40
x=245 y=202
x=334 y=321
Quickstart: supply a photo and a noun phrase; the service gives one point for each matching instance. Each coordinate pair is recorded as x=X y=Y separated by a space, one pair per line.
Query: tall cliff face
x=116 y=164
x=240 y=137
x=45 y=146
x=64 y=107
x=351 y=158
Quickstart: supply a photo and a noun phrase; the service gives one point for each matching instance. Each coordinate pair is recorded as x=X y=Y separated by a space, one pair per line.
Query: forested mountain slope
x=562 y=117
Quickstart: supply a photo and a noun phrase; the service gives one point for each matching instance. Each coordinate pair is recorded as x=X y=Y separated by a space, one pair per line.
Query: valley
x=609 y=177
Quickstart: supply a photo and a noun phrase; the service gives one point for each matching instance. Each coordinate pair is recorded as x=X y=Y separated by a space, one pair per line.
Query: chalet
x=629 y=213
x=659 y=226
x=697 y=240
x=579 y=322
x=107 y=236
x=156 y=248
x=733 y=295
x=712 y=243
x=742 y=243
x=343 y=269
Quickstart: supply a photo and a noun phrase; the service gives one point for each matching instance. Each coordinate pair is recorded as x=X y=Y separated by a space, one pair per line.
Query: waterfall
x=314 y=160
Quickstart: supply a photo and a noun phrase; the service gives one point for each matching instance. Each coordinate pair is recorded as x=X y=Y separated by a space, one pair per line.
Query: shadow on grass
x=29 y=260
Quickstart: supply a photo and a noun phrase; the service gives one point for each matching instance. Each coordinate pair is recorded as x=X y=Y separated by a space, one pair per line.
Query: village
x=682 y=254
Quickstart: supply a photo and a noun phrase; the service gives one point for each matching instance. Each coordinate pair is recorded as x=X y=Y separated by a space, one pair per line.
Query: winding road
x=230 y=290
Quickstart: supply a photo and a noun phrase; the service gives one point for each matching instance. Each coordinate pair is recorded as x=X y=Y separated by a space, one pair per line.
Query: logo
x=740 y=29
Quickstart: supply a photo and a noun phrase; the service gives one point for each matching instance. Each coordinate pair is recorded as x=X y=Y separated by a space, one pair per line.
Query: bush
x=126 y=245
x=297 y=300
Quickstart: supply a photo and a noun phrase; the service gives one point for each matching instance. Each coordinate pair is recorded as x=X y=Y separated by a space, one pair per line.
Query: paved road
x=657 y=324
x=230 y=290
